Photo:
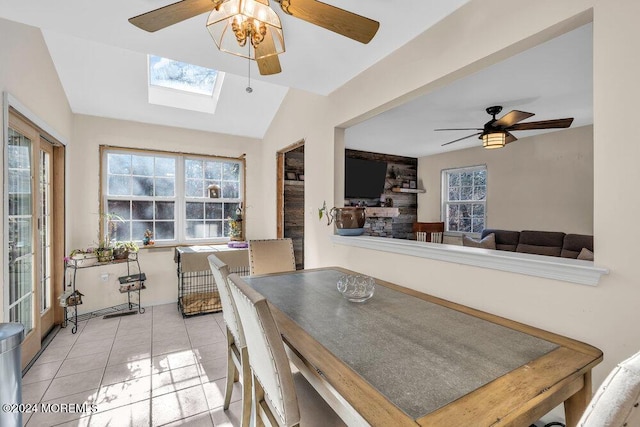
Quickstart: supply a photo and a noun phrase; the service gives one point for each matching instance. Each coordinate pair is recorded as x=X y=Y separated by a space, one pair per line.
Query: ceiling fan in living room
x=496 y=133
x=251 y=29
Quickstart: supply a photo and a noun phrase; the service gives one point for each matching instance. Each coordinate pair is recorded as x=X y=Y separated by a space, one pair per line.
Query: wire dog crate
x=197 y=289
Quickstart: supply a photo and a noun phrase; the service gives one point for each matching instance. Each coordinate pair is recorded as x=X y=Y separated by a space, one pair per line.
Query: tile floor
x=152 y=369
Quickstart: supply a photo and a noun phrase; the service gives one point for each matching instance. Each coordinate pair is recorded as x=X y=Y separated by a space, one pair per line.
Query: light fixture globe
x=494 y=140
x=247 y=28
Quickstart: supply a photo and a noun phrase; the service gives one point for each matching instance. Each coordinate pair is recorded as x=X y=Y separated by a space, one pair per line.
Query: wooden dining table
x=407 y=358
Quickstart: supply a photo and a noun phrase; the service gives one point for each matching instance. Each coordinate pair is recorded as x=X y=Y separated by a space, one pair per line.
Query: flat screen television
x=364 y=179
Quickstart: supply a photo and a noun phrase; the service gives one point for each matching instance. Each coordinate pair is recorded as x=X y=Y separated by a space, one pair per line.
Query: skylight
x=180 y=85
x=177 y=75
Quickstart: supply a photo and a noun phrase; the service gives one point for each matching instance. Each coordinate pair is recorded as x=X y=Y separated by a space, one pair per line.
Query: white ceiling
x=101 y=58
x=552 y=80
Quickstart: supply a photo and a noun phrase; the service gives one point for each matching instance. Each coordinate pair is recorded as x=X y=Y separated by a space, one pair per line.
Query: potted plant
x=82 y=257
x=349 y=219
x=122 y=249
x=105 y=243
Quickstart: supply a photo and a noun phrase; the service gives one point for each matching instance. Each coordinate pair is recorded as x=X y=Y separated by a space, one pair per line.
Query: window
x=464 y=195
x=168 y=194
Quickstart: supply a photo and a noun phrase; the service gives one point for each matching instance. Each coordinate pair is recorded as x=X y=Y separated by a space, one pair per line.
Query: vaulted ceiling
x=101 y=58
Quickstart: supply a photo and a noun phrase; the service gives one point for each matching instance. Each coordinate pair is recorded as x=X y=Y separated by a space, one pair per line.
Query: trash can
x=11 y=336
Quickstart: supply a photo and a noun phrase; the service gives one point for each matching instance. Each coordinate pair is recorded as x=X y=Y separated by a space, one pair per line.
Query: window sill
x=565 y=269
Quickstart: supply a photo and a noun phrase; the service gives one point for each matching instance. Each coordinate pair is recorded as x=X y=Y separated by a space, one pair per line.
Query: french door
x=32 y=220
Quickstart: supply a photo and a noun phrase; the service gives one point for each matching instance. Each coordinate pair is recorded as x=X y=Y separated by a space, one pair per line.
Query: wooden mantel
x=382 y=212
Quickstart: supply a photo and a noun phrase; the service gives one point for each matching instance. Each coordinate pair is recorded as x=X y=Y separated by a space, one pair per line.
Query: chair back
x=429 y=231
x=271 y=256
x=617 y=400
x=220 y=272
x=267 y=355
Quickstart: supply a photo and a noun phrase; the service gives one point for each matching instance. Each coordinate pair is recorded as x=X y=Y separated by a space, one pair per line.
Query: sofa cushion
x=585 y=254
x=488 y=242
x=541 y=242
x=506 y=240
x=573 y=244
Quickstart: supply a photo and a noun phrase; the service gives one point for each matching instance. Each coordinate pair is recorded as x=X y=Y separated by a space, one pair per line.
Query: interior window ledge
x=565 y=269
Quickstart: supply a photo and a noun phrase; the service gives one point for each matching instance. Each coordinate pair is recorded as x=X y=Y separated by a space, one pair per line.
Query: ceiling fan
x=256 y=28
x=496 y=133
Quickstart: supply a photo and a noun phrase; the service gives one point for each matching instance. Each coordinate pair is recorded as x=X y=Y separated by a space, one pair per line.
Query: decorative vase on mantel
x=349 y=219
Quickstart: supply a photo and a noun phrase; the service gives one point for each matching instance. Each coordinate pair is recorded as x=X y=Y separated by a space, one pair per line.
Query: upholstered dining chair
x=617 y=400
x=429 y=231
x=271 y=256
x=237 y=354
x=280 y=398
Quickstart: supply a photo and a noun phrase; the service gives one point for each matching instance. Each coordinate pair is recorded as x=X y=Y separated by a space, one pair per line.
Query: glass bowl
x=356 y=288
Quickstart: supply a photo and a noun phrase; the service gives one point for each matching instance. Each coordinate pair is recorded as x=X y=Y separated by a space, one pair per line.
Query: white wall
x=28 y=74
x=88 y=134
x=460 y=44
x=542 y=182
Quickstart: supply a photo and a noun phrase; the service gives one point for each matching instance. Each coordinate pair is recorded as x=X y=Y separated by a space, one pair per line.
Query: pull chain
x=249 y=89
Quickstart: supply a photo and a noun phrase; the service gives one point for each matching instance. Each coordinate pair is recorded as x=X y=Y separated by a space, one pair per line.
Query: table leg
x=575 y=406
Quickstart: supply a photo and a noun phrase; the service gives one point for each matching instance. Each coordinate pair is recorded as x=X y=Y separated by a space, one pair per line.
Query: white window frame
x=180 y=198
x=444 y=198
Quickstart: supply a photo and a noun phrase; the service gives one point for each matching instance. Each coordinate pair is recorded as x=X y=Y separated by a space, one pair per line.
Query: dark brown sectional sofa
x=550 y=243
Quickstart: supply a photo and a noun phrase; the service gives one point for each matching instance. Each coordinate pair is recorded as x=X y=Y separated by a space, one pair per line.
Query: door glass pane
x=20 y=231
x=45 y=231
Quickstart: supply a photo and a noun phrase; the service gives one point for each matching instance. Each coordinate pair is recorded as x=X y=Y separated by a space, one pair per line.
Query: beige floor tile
x=123 y=341
x=84 y=348
x=46 y=419
x=134 y=415
x=91 y=337
x=124 y=393
x=53 y=354
x=174 y=360
x=33 y=392
x=174 y=380
x=170 y=346
x=72 y=384
x=211 y=351
x=200 y=420
x=82 y=364
x=178 y=405
x=213 y=369
x=126 y=371
x=214 y=391
x=130 y=354
x=66 y=340
x=41 y=372
x=229 y=418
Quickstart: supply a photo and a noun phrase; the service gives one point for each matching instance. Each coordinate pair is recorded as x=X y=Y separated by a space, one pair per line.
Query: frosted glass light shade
x=493 y=140
x=246 y=28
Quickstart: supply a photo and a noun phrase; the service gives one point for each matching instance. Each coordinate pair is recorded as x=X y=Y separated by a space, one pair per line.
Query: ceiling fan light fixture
x=238 y=23
x=494 y=140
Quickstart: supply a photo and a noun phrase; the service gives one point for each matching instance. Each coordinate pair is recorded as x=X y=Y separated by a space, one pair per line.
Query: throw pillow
x=489 y=242
x=585 y=254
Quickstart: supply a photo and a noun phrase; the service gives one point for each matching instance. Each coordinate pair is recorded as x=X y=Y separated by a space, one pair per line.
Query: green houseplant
x=105 y=242
x=122 y=249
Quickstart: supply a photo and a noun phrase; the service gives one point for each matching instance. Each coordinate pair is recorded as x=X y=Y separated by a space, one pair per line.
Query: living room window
x=167 y=193
x=464 y=195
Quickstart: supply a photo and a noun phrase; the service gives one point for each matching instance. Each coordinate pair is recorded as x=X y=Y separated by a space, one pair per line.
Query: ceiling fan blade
x=459 y=129
x=543 y=124
x=511 y=118
x=332 y=18
x=172 y=14
x=268 y=64
x=460 y=139
x=509 y=138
